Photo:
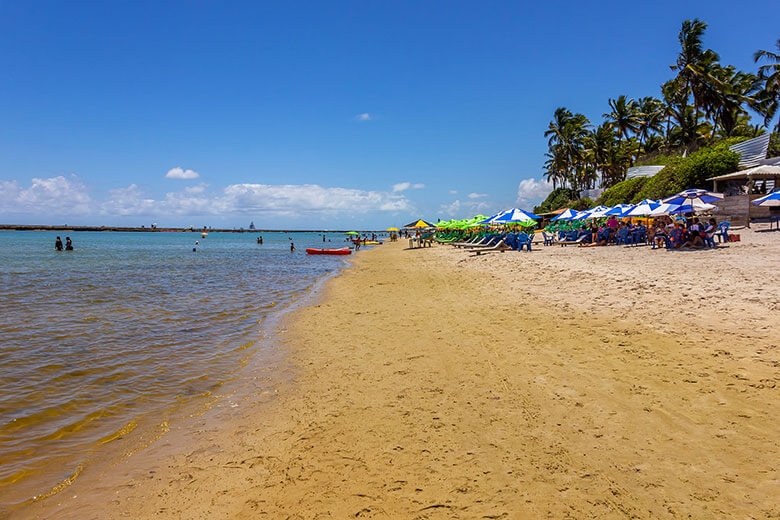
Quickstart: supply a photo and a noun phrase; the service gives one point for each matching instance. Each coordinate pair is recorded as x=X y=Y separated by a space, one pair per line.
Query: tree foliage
x=557 y=199
x=703 y=104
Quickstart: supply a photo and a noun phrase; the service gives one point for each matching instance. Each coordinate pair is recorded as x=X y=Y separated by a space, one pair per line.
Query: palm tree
x=566 y=134
x=728 y=90
x=693 y=60
x=769 y=97
x=623 y=115
x=650 y=117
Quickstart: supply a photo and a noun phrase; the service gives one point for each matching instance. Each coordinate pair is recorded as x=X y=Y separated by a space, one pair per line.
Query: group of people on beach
x=58 y=244
x=679 y=234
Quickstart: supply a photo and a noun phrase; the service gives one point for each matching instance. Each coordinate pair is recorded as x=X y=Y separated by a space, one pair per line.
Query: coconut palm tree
x=728 y=91
x=769 y=97
x=650 y=117
x=623 y=115
x=693 y=59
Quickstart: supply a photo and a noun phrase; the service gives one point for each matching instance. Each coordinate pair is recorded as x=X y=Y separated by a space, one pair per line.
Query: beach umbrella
x=351 y=233
x=773 y=199
x=596 y=212
x=392 y=229
x=666 y=208
x=567 y=215
x=419 y=223
x=513 y=215
x=693 y=196
x=643 y=208
x=617 y=210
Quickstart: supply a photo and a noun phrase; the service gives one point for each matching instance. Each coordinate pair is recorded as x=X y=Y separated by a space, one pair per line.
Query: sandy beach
x=611 y=382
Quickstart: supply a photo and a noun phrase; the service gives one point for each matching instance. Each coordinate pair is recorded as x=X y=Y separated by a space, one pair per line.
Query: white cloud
x=450 y=209
x=365 y=116
x=464 y=209
x=128 y=201
x=180 y=173
x=51 y=196
x=198 y=188
x=283 y=200
x=403 y=186
x=532 y=191
x=60 y=195
x=477 y=195
x=453 y=192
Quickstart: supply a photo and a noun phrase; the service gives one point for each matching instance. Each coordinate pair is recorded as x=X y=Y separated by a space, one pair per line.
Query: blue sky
x=316 y=114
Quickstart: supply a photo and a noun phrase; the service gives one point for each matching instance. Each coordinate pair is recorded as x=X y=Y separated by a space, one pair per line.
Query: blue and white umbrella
x=692 y=197
x=569 y=214
x=590 y=213
x=643 y=208
x=490 y=220
x=617 y=209
x=773 y=199
x=666 y=208
x=513 y=215
x=597 y=212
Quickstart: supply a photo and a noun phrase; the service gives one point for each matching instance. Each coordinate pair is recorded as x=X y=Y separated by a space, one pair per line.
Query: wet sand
x=606 y=382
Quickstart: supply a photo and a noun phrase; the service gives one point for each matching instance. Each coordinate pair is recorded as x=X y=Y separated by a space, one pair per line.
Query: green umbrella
x=351 y=233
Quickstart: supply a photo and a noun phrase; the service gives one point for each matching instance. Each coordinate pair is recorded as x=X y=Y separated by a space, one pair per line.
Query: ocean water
x=126 y=326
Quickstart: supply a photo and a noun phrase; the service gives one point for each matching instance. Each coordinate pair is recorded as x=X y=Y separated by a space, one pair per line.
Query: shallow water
x=127 y=325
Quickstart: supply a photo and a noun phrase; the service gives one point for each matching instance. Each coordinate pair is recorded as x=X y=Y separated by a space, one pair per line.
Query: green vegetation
x=557 y=199
x=679 y=174
x=774 y=145
x=622 y=192
x=705 y=104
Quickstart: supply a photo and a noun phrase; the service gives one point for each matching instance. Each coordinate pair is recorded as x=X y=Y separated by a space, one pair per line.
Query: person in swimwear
x=68 y=244
x=58 y=244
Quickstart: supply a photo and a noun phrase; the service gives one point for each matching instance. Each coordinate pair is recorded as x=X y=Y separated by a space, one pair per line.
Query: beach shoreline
x=563 y=382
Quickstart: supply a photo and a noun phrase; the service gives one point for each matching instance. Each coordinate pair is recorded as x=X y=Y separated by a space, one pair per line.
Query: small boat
x=343 y=251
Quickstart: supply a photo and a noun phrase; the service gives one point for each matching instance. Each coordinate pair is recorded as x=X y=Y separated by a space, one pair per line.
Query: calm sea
x=124 y=326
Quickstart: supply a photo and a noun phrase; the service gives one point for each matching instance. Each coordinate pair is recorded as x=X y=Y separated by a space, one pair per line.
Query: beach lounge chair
x=574 y=241
x=476 y=241
x=492 y=241
x=500 y=247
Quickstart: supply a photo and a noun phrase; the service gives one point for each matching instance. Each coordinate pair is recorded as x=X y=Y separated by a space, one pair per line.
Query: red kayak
x=343 y=251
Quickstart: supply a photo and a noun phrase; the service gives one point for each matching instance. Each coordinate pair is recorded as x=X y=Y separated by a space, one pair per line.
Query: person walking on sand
x=58 y=244
x=68 y=244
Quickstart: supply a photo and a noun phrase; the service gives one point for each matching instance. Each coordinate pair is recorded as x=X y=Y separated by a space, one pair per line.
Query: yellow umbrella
x=392 y=229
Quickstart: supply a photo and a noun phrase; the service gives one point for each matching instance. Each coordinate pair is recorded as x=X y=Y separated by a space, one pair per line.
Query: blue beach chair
x=523 y=240
x=723 y=231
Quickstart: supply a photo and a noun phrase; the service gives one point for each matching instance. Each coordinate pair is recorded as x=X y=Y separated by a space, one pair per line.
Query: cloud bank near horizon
x=62 y=195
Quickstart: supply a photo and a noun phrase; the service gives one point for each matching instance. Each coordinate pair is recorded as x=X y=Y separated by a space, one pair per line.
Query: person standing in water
x=260 y=240
x=196 y=246
x=292 y=247
x=68 y=244
x=58 y=244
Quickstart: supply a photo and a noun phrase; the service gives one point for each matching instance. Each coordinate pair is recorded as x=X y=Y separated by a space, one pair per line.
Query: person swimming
x=68 y=244
x=58 y=244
